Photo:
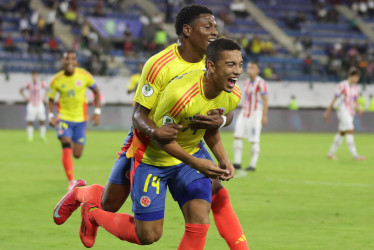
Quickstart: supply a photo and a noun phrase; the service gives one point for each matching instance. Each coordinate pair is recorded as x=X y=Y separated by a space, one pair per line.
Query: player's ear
x=210 y=66
x=186 y=30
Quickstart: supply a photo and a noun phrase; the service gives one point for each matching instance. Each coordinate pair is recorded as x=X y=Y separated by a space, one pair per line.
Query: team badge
x=78 y=83
x=145 y=201
x=147 y=90
x=167 y=119
x=60 y=131
x=221 y=111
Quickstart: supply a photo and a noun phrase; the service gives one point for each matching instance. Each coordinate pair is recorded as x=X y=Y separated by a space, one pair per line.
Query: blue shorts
x=149 y=186
x=74 y=130
x=121 y=169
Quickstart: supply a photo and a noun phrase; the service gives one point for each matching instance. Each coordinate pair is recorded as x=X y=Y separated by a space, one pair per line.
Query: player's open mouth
x=211 y=40
x=231 y=82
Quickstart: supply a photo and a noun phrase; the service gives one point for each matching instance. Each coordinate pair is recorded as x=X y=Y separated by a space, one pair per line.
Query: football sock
x=30 y=131
x=89 y=193
x=42 y=130
x=338 y=139
x=120 y=225
x=194 y=237
x=223 y=213
x=238 y=148
x=351 y=144
x=67 y=162
x=255 y=153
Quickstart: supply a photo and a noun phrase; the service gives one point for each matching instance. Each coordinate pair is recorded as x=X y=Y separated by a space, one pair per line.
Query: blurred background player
x=134 y=80
x=345 y=97
x=253 y=115
x=35 y=108
x=71 y=83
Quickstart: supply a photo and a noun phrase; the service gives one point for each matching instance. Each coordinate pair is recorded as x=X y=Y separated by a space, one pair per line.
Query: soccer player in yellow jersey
x=196 y=28
x=179 y=164
x=71 y=84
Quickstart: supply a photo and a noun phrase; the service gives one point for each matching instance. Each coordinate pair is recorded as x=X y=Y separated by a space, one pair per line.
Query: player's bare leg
x=222 y=213
x=114 y=195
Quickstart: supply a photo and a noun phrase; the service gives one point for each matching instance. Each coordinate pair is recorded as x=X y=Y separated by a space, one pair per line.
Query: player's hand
x=52 y=122
x=226 y=165
x=96 y=119
x=208 y=168
x=212 y=120
x=326 y=116
x=264 y=120
x=166 y=133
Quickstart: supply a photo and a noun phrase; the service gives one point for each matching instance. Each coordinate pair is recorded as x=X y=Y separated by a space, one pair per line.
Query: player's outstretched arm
x=213 y=139
x=146 y=126
x=204 y=166
x=212 y=120
x=329 y=108
x=96 y=117
x=51 y=118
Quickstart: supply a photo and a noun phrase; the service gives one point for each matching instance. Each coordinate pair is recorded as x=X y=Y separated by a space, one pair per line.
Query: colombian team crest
x=145 y=201
x=78 y=83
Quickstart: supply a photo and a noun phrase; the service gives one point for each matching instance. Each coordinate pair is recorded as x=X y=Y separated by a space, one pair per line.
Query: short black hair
x=188 y=14
x=215 y=48
x=353 y=71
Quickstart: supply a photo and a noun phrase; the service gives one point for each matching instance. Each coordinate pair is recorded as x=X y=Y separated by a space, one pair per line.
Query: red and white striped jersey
x=253 y=91
x=36 y=92
x=347 y=95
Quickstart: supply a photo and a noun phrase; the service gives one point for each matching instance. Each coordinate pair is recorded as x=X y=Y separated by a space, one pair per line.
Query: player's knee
x=148 y=238
x=77 y=155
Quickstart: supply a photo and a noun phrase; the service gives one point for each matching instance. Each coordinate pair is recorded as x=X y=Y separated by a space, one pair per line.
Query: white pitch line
x=323 y=183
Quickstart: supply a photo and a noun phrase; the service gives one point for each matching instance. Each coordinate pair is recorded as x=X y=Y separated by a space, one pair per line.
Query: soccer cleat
x=88 y=229
x=67 y=205
x=332 y=157
x=250 y=168
x=237 y=166
x=71 y=184
x=359 y=158
x=44 y=139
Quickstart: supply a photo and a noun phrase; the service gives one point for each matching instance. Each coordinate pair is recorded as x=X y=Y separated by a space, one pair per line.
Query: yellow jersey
x=181 y=100
x=158 y=71
x=134 y=81
x=72 y=104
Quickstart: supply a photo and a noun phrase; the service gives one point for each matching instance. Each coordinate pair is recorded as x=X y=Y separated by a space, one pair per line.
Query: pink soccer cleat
x=88 y=229
x=67 y=205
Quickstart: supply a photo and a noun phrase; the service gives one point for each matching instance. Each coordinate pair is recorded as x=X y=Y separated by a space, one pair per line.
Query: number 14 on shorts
x=155 y=183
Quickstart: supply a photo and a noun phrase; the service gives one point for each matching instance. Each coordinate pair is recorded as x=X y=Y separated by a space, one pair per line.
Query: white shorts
x=35 y=113
x=249 y=127
x=345 y=120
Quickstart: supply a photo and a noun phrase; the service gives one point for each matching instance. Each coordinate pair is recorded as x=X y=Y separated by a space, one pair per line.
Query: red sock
x=67 y=161
x=222 y=213
x=89 y=193
x=120 y=225
x=194 y=237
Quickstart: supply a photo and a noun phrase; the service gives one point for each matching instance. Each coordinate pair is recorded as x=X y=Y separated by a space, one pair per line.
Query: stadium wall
x=117 y=111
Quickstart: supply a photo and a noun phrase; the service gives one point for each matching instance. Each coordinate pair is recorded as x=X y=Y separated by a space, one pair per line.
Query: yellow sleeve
x=52 y=90
x=146 y=94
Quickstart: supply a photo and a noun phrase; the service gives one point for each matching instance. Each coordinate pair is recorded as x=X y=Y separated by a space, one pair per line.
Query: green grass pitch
x=297 y=199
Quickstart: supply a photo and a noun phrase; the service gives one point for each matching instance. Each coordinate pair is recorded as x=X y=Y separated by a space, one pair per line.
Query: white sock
x=30 y=131
x=255 y=154
x=338 y=139
x=351 y=144
x=42 y=130
x=238 y=148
